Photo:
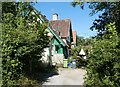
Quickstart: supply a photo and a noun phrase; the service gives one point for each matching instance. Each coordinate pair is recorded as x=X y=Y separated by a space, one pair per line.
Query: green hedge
x=103 y=69
x=22 y=45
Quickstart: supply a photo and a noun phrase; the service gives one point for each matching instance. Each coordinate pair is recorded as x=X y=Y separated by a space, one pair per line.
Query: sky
x=80 y=19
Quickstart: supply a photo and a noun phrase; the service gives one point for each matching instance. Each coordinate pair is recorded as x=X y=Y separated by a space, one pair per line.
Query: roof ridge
x=61 y=19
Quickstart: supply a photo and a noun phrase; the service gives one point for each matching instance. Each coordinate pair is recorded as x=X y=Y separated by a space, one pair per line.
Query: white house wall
x=45 y=56
x=56 y=58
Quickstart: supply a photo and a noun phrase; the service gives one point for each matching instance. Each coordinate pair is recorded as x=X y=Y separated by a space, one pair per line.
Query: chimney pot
x=55 y=16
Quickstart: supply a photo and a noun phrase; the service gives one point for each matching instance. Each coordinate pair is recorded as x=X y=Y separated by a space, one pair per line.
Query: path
x=67 y=77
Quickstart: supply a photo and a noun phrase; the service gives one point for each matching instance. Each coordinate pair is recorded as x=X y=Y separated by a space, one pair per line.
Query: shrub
x=103 y=67
x=22 y=46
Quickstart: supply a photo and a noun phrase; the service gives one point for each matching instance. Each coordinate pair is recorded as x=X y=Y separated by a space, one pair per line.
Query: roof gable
x=62 y=26
x=43 y=19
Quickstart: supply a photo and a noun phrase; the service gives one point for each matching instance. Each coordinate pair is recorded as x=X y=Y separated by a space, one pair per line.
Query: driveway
x=67 y=76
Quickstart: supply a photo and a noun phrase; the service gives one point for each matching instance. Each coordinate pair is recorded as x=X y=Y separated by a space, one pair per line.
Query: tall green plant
x=103 y=68
x=22 y=44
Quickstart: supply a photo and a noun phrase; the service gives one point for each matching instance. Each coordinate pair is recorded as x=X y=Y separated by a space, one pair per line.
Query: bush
x=103 y=67
x=75 y=55
x=22 y=46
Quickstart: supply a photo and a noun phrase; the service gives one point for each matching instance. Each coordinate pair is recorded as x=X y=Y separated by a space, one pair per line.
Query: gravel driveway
x=67 y=76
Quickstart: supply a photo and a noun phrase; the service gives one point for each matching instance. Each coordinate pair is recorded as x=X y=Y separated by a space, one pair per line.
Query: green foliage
x=109 y=13
x=77 y=2
x=84 y=43
x=75 y=55
x=22 y=43
x=103 y=66
x=81 y=41
x=9 y=7
x=27 y=82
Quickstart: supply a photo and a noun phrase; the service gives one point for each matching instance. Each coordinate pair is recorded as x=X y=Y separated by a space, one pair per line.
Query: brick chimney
x=74 y=33
x=55 y=16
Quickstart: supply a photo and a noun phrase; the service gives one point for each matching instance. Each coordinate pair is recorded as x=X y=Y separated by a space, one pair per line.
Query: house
x=57 y=49
x=60 y=33
x=64 y=29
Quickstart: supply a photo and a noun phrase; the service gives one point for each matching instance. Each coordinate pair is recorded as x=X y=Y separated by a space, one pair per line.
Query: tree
x=103 y=63
x=81 y=41
x=23 y=42
x=103 y=66
x=110 y=13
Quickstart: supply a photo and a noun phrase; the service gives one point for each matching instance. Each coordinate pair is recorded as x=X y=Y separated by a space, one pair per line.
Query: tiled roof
x=50 y=26
x=62 y=26
x=58 y=35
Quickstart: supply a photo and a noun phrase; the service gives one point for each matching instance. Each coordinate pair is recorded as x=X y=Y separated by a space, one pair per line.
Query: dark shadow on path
x=43 y=77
